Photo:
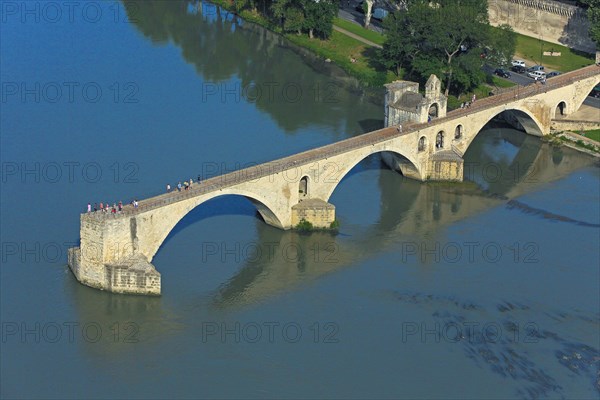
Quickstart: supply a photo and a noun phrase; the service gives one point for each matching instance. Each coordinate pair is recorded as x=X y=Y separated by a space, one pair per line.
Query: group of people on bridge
x=467 y=104
x=117 y=208
x=186 y=185
x=106 y=207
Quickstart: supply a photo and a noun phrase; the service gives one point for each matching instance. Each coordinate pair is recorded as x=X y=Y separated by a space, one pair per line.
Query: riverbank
x=353 y=56
x=576 y=141
x=354 y=49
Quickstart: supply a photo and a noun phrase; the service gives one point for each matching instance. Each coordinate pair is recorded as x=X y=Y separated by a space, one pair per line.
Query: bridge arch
x=163 y=220
x=400 y=162
x=560 y=110
x=524 y=117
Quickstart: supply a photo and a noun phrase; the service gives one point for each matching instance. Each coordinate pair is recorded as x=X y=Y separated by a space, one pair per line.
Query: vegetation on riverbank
x=368 y=34
x=306 y=226
x=353 y=56
x=567 y=139
x=367 y=64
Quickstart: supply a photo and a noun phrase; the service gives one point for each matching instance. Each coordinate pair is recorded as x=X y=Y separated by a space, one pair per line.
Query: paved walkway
x=354 y=36
x=586 y=113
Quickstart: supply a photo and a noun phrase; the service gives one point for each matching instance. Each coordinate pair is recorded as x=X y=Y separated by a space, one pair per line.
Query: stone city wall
x=546 y=19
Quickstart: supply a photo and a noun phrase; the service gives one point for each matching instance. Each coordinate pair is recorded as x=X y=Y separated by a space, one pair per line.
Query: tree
x=593 y=14
x=400 y=49
x=502 y=43
x=448 y=38
x=312 y=16
x=319 y=16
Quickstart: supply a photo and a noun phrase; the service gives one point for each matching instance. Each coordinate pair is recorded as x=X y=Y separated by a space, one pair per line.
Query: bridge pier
x=441 y=166
x=134 y=275
x=319 y=213
x=445 y=166
x=109 y=257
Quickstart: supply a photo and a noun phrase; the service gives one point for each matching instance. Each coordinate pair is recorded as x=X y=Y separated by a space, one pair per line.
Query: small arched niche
x=303 y=187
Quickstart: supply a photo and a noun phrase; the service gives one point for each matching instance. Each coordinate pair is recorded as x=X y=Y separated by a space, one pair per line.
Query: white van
x=537 y=75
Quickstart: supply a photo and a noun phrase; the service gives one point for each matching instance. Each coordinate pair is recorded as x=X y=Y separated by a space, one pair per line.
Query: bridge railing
x=224 y=181
x=371 y=138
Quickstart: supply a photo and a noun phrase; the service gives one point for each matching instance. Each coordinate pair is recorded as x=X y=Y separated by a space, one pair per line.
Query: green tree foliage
x=319 y=16
x=593 y=14
x=290 y=14
x=314 y=17
x=449 y=38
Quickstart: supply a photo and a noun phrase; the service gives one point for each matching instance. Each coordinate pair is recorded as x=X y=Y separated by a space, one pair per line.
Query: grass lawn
x=501 y=82
x=594 y=134
x=359 y=30
x=339 y=49
x=530 y=49
x=482 y=91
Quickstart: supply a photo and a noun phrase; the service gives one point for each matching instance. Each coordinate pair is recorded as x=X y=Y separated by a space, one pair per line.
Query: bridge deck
x=252 y=173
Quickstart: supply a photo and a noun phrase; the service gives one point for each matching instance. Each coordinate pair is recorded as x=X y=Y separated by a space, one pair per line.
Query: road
x=347 y=12
x=592 y=101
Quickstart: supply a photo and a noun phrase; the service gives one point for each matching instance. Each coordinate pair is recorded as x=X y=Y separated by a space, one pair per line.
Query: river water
x=481 y=290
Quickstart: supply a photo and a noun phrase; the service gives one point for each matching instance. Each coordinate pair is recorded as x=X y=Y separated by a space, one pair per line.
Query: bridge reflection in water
x=410 y=212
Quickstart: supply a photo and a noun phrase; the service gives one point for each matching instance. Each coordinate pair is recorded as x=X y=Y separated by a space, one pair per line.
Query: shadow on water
x=409 y=209
x=547 y=215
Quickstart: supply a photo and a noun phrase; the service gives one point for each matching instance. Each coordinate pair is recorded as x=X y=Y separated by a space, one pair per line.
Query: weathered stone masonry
x=116 y=251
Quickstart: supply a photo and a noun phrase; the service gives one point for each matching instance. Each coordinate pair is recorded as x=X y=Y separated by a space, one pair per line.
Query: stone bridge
x=116 y=250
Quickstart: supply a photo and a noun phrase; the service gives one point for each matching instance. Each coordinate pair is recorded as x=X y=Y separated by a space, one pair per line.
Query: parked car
x=501 y=72
x=595 y=92
x=518 y=63
x=551 y=74
x=376 y=13
x=537 y=75
x=518 y=69
x=379 y=13
x=535 y=68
